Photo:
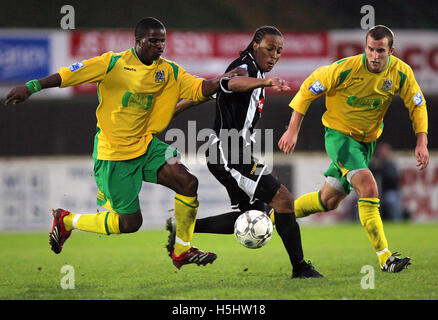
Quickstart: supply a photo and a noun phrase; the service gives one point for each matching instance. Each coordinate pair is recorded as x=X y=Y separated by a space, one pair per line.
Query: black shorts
x=247 y=184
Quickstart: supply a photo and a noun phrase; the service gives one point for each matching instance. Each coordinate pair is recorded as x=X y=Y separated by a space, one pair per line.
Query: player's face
x=268 y=51
x=377 y=52
x=151 y=47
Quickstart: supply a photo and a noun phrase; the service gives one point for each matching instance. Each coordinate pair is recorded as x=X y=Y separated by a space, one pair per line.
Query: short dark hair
x=379 y=32
x=145 y=25
x=258 y=37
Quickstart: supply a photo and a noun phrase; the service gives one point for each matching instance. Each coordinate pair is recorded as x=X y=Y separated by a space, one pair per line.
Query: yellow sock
x=106 y=222
x=370 y=219
x=186 y=209
x=308 y=204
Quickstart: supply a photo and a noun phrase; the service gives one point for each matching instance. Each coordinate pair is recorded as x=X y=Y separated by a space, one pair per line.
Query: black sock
x=220 y=224
x=289 y=231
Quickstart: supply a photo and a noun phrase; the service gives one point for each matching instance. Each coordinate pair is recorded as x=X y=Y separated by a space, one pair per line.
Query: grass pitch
x=136 y=266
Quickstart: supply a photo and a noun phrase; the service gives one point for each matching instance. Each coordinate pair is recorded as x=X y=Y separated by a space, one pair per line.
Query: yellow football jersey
x=136 y=101
x=357 y=99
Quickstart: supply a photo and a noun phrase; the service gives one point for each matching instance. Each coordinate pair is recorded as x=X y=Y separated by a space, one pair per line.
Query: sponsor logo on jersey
x=244 y=66
x=160 y=76
x=418 y=99
x=367 y=103
x=317 y=88
x=137 y=100
x=129 y=69
x=76 y=66
x=387 y=84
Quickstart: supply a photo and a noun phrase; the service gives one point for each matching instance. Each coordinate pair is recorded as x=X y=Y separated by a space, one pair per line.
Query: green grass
x=136 y=266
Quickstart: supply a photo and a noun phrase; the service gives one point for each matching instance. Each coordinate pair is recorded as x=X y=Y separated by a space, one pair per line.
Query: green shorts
x=346 y=154
x=119 y=182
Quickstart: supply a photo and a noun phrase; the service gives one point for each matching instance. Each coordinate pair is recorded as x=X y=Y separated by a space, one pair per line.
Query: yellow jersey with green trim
x=357 y=99
x=136 y=101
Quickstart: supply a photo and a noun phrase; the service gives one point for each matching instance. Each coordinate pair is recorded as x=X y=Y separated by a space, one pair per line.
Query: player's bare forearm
x=244 y=84
x=21 y=93
x=209 y=87
x=54 y=80
x=289 y=138
x=421 y=151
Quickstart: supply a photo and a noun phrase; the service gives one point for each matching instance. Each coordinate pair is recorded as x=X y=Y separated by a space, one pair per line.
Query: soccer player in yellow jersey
x=358 y=90
x=138 y=91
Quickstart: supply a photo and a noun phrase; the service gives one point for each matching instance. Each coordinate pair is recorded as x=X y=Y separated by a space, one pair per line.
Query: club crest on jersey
x=160 y=76
x=317 y=88
x=387 y=84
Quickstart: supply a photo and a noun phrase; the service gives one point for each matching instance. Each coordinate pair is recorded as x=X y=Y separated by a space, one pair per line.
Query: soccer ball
x=253 y=229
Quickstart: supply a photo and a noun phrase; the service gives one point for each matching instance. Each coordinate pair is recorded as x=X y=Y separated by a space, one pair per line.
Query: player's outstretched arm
x=21 y=93
x=244 y=84
x=288 y=141
x=209 y=87
x=421 y=151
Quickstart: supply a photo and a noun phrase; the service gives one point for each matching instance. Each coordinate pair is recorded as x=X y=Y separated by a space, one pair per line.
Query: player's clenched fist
x=17 y=95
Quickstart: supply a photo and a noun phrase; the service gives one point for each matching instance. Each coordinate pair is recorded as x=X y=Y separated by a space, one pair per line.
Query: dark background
x=223 y=14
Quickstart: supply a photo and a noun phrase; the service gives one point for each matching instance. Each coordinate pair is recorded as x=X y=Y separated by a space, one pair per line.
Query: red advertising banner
x=208 y=53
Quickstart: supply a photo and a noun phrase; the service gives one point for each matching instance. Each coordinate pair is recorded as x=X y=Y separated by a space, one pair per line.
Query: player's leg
x=326 y=199
x=351 y=158
x=119 y=183
x=286 y=225
x=176 y=177
x=240 y=202
x=334 y=190
x=369 y=215
x=368 y=204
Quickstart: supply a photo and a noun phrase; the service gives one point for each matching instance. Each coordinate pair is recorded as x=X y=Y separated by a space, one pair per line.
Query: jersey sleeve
x=318 y=83
x=190 y=86
x=414 y=100
x=86 y=71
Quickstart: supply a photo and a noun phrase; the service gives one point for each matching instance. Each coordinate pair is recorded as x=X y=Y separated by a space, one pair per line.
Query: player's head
x=150 y=39
x=266 y=47
x=378 y=48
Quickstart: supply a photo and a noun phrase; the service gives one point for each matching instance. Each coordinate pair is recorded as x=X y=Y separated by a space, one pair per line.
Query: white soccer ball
x=253 y=229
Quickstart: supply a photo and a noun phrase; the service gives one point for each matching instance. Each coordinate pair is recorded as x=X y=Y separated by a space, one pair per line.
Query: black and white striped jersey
x=240 y=110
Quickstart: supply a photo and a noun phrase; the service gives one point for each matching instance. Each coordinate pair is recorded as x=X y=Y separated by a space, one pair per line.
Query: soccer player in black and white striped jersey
x=239 y=104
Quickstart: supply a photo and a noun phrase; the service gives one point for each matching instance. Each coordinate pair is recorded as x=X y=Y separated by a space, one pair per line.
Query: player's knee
x=283 y=201
x=189 y=185
x=368 y=190
x=331 y=203
x=331 y=197
x=129 y=223
x=365 y=184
